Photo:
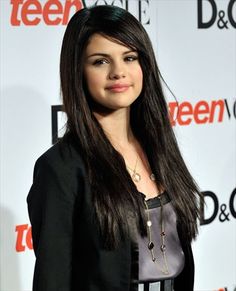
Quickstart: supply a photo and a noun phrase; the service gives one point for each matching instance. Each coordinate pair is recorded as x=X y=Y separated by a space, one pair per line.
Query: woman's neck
x=116 y=126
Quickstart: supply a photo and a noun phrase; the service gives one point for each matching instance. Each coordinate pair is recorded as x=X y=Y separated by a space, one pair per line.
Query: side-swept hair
x=114 y=193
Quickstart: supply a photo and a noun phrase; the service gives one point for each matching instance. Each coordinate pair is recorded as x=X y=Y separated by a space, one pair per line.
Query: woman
x=112 y=205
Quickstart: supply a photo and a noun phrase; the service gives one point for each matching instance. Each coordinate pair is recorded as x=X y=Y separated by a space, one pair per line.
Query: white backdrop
x=195 y=45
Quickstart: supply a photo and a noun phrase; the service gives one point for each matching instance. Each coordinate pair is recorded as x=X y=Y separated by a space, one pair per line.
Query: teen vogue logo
x=209 y=14
x=23 y=238
x=58 y=12
x=202 y=112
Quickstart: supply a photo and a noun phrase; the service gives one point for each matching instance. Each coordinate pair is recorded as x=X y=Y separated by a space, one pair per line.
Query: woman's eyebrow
x=108 y=55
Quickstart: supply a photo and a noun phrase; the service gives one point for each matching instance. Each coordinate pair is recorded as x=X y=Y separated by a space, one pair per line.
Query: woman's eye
x=131 y=58
x=100 y=62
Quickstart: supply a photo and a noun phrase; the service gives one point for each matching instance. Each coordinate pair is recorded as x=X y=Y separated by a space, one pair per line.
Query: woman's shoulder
x=63 y=156
x=58 y=172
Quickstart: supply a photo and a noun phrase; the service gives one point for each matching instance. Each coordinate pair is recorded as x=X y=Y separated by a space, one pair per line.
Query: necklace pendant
x=152 y=177
x=150 y=245
x=153 y=256
x=149 y=223
x=163 y=248
x=136 y=177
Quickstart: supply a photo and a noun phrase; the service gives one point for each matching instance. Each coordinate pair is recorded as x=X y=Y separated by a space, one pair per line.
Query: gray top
x=150 y=271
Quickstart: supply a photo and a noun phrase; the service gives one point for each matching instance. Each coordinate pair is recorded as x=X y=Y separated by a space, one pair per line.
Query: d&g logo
x=223 y=211
x=225 y=19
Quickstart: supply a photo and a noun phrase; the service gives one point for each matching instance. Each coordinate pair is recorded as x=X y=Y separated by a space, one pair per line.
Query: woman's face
x=112 y=72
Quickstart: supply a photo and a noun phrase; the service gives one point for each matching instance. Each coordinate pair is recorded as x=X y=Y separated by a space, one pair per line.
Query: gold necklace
x=136 y=176
x=151 y=245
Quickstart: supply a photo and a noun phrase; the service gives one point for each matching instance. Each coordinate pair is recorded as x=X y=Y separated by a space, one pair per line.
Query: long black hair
x=115 y=196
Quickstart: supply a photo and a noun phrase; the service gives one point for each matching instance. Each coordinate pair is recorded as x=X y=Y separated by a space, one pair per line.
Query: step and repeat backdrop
x=195 y=46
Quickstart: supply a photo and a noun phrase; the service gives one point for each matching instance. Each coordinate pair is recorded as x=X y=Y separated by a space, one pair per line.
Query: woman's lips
x=117 y=88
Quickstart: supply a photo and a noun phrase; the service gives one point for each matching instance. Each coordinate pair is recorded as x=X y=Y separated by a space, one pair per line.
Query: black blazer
x=66 y=239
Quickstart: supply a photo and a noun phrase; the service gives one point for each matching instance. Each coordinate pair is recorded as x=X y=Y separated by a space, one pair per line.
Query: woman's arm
x=51 y=204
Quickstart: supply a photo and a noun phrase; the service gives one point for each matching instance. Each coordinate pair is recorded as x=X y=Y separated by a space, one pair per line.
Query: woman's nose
x=117 y=71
